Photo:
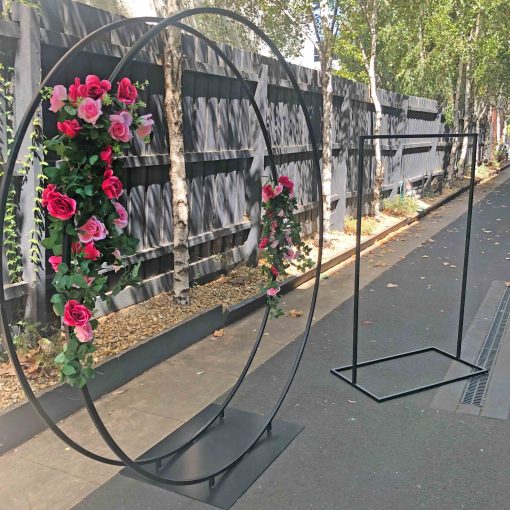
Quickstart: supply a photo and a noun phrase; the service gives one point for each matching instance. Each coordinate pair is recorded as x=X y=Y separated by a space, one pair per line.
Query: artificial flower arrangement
x=281 y=239
x=82 y=196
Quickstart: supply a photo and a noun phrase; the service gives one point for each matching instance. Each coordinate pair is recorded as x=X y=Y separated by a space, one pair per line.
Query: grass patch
x=401 y=206
x=368 y=226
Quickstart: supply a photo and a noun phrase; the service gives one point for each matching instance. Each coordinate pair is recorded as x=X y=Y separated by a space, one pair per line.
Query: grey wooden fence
x=224 y=154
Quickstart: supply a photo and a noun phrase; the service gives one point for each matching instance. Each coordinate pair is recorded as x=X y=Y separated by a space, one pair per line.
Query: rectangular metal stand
x=216 y=447
x=340 y=371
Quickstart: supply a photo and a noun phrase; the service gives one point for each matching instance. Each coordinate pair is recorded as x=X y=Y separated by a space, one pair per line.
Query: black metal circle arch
x=11 y=348
x=171 y=21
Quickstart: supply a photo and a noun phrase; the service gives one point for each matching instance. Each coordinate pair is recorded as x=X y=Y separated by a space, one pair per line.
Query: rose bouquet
x=281 y=238
x=82 y=196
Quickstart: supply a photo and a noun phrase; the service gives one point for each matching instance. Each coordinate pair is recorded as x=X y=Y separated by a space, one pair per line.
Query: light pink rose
x=116 y=253
x=58 y=96
x=122 y=221
x=90 y=110
x=291 y=254
x=145 y=125
x=274 y=244
x=281 y=213
x=123 y=117
x=84 y=333
x=278 y=189
x=272 y=292
x=92 y=230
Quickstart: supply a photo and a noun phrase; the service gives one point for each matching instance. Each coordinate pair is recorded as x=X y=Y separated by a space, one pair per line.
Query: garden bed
x=238 y=292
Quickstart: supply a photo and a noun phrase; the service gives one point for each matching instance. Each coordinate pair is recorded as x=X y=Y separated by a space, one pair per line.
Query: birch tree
x=177 y=169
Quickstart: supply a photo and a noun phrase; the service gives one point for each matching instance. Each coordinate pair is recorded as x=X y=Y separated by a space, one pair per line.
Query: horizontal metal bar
x=9 y=29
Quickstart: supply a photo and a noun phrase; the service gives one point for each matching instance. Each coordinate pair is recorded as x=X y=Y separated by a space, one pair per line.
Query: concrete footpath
x=353 y=453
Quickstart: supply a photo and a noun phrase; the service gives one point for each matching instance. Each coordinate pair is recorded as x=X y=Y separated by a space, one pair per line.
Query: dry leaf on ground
x=218 y=333
x=391 y=285
x=295 y=313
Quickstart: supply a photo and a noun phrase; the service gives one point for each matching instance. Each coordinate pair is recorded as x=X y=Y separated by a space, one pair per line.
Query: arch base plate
x=221 y=443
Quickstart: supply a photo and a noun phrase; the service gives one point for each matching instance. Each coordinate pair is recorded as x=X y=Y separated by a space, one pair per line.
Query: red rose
x=47 y=193
x=287 y=183
x=76 y=314
x=55 y=261
x=112 y=186
x=106 y=155
x=126 y=93
x=76 y=248
x=77 y=90
x=96 y=88
x=263 y=242
x=61 y=206
x=274 y=271
x=69 y=127
x=90 y=252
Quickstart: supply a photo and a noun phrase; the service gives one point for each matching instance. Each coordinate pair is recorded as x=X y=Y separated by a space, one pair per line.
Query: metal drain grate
x=476 y=389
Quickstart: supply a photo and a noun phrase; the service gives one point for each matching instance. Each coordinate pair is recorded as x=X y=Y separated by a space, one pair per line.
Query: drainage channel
x=476 y=390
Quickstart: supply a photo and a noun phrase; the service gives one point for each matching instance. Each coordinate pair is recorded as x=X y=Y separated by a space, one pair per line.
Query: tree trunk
x=372 y=78
x=327 y=111
x=178 y=182
x=452 y=162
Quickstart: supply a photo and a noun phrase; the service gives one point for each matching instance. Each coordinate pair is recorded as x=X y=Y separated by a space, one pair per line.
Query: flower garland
x=281 y=239
x=82 y=198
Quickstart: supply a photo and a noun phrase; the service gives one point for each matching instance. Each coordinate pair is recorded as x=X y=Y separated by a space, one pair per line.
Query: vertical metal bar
x=466 y=245
x=357 y=268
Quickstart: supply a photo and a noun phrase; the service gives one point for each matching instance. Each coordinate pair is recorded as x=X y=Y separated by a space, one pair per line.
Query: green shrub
x=400 y=206
x=483 y=172
x=368 y=225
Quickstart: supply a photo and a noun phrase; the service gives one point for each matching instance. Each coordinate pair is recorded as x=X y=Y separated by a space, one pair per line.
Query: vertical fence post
x=256 y=170
x=27 y=77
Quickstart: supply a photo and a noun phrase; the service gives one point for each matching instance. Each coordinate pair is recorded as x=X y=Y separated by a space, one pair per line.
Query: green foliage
x=368 y=225
x=402 y=206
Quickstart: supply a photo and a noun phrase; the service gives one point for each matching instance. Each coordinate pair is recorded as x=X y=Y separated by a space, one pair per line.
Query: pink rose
x=76 y=314
x=145 y=124
x=112 y=185
x=92 y=230
x=263 y=242
x=84 y=333
x=119 y=127
x=274 y=244
x=272 y=292
x=58 y=97
x=116 y=253
x=55 y=261
x=90 y=110
x=89 y=280
x=106 y=155
x=96 y=88
x=267 y=193
x=126 y=92
x=61 y=206
x=274 y=226
x=69 y=127
x=278 y=189
x=291 y=254
x=122 y=221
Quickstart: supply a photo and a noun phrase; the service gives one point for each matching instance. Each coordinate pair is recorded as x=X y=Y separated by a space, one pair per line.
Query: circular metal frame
x=162 y=25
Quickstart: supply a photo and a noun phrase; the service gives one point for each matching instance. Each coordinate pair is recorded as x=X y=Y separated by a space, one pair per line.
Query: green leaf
x=77 y=280
x=68 y=370
x=93 y=159
x=52 y=172
x=70 y=230
x=61 y=358
x=58 y=308
x=70 y=110
x=89 y=190
x=56 y=298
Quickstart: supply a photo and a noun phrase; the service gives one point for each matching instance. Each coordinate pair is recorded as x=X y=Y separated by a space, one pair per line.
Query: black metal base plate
x=341 y=373
x=219 y=445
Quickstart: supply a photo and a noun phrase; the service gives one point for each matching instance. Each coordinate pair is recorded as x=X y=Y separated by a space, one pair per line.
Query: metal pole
x=357 y=268
x=466 y=246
